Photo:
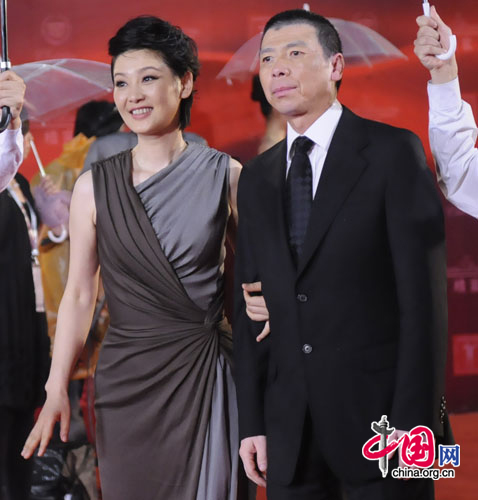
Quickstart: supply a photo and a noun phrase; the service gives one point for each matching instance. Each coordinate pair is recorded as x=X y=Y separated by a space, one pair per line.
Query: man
x=345 y=232
x=452 y=127
x=12 y=91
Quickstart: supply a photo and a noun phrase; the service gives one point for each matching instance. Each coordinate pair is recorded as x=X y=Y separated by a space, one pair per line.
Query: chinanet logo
x=416 y=452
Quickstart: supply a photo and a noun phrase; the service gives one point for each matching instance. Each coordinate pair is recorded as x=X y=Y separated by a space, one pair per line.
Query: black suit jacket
x=368 y=297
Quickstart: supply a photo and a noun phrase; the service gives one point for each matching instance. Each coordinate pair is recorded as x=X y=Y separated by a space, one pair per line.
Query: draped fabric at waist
x=187 y=332
x=169 y=319
x=171 y=350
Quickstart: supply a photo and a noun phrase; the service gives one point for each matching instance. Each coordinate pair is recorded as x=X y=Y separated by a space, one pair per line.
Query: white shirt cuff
x=444 y=96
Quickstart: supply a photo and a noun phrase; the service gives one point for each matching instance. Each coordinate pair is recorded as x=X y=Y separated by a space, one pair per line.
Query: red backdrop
x=394 y=92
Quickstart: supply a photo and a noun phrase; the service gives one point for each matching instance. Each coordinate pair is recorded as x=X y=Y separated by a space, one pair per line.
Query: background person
x=12 y=92
x=24 y=343
x=452 y=128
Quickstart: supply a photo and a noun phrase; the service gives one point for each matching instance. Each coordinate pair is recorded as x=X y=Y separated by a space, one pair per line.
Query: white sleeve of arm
x=11 y=155
x=453 y=133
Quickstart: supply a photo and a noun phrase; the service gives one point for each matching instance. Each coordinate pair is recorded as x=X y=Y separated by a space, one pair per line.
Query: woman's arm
x=74 y=316
x=234 y=173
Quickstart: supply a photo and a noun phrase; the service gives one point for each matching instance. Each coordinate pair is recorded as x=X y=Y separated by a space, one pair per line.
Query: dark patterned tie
x=299 y=194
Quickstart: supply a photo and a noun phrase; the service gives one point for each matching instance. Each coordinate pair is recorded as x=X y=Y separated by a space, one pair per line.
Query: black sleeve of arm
x=251 y=357
x=417 y=243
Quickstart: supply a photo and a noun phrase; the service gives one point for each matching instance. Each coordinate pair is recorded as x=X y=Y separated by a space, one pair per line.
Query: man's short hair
x=328 y=36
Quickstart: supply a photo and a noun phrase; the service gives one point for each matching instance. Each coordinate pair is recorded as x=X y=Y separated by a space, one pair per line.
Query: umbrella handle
x=6 y=117
x=37 y=157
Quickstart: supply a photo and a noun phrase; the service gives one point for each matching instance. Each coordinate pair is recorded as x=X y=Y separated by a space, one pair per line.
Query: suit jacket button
x=302 y=297
x=306 y=348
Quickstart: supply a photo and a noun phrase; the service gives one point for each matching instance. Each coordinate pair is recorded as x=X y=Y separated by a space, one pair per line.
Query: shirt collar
x=321 y=131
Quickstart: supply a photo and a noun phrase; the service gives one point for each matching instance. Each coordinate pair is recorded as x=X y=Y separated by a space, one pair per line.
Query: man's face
x=298 y=80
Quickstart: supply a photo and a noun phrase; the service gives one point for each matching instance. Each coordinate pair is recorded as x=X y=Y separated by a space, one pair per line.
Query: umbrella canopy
x=361 y=46
x=59 y=85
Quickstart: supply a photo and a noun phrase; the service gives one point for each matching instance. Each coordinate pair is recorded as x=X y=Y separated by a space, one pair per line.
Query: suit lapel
x=274 y=171
x=342 y=168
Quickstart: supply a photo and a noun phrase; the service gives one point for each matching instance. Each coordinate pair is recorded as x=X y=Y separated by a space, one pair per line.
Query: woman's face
x=147 y=93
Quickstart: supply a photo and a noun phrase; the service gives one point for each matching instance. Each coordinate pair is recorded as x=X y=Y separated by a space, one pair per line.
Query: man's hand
x=395 y=436
x=256 y=307
x=12 y=93
x=432 y=40
x=253 y=453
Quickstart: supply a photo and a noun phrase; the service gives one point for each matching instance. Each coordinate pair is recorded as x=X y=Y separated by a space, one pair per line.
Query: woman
x=154 y=217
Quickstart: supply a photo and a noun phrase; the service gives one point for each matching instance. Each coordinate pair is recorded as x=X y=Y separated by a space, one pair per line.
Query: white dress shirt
x=11 y=155
x=453 y=134
x=321 y=133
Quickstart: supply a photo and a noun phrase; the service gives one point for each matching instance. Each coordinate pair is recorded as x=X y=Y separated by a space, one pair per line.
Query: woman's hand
x=56 y=408
x=256 y=307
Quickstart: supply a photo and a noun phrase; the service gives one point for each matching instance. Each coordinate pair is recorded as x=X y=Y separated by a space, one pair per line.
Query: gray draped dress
x=165 y=398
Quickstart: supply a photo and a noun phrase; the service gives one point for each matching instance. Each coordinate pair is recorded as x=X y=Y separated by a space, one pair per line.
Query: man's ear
x=186 y=85
x=338 y=65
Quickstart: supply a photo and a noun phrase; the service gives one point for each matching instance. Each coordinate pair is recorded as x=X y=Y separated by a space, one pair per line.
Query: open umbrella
x=59 y=85
x=361 y=46
x=4 y=65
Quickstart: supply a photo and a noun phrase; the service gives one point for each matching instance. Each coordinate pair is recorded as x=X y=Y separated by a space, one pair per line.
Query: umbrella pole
x=5 y=61
x=4 y=64
x=37 y=158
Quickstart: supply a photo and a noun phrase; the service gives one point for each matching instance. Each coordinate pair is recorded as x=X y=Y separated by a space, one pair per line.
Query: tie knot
x=302 y=144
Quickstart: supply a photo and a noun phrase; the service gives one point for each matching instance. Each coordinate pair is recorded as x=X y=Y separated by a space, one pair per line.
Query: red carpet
x=465 y=484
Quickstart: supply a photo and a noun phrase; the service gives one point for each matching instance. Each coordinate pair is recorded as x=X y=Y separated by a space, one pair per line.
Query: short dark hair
x=97 y=118
x=178 y=50
x=328 y=36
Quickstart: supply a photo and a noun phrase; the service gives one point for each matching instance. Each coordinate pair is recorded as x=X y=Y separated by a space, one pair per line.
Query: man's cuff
x=444 y=96
x=12 y=140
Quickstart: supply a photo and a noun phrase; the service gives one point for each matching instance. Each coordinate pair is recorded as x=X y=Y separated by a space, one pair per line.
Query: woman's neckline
x=163 y=171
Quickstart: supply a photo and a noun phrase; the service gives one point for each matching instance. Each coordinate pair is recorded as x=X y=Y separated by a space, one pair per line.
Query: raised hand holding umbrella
x=52 y=203
x=451 y=37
